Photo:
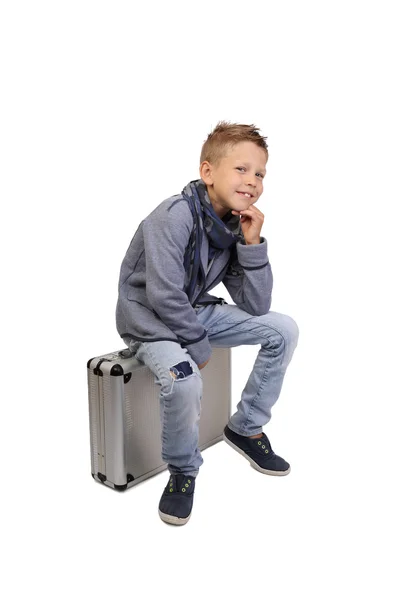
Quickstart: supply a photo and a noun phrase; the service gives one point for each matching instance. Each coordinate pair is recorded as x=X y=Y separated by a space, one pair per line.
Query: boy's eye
x=261 y=175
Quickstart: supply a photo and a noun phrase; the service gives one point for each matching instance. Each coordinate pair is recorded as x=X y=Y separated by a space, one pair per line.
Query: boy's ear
x=206 y=172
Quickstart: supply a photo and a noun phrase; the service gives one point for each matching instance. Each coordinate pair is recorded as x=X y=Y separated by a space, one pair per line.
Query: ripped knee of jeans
x=181 y=370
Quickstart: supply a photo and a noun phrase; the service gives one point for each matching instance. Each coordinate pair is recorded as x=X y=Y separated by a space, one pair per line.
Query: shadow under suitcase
x=124 y=415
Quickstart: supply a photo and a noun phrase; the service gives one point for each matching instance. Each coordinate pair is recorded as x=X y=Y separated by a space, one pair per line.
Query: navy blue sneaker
x=177 y=499
x=258 y=452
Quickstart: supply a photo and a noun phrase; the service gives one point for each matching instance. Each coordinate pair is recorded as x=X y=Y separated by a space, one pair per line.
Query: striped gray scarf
x=221 y=233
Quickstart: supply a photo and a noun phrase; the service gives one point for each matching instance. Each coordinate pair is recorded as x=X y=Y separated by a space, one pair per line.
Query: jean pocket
x=181 y=370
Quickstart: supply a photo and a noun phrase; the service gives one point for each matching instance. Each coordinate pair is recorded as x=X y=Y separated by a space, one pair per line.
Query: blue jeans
x=180 y=398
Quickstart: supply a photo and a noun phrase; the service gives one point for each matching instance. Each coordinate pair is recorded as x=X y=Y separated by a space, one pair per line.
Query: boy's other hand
x=251 y=222
x=203 y=364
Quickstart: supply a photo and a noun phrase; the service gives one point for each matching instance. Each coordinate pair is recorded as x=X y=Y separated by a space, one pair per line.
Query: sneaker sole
x=253 y=463
x=173 y=520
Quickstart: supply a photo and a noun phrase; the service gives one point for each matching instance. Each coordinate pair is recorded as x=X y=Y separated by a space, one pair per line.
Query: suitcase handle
x=125 y=353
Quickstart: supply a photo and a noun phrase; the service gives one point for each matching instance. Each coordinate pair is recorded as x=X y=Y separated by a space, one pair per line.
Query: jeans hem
x=190 y=474
x=247 y=434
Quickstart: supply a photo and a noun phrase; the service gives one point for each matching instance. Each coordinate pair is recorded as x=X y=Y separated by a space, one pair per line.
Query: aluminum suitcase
x=124 y=415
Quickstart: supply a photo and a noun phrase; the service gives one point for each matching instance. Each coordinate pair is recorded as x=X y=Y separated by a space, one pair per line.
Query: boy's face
x=242 y=169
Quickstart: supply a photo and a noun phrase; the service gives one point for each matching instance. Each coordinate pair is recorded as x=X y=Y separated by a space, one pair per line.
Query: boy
x=189 y=243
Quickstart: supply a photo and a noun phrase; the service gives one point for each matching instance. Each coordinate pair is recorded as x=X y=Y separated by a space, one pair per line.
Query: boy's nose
x=251 y=180
x=251 y=184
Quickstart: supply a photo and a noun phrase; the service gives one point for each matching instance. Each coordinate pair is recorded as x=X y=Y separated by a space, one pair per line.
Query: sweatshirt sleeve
x=166 y=235
x=249 y=278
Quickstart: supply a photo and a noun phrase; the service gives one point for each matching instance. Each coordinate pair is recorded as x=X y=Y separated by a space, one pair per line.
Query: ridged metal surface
x=93 y=417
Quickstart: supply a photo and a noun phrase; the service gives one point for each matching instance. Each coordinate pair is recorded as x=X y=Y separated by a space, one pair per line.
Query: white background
x=104 y=109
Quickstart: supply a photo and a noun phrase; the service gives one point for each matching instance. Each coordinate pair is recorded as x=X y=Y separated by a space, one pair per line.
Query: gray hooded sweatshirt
x=152 y=302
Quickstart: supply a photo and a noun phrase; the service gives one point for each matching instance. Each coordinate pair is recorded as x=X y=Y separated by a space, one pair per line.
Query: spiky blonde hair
x=225 y=136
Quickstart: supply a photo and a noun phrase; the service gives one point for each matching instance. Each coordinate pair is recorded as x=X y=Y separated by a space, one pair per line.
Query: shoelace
x=183 y=485
x=264 y=445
